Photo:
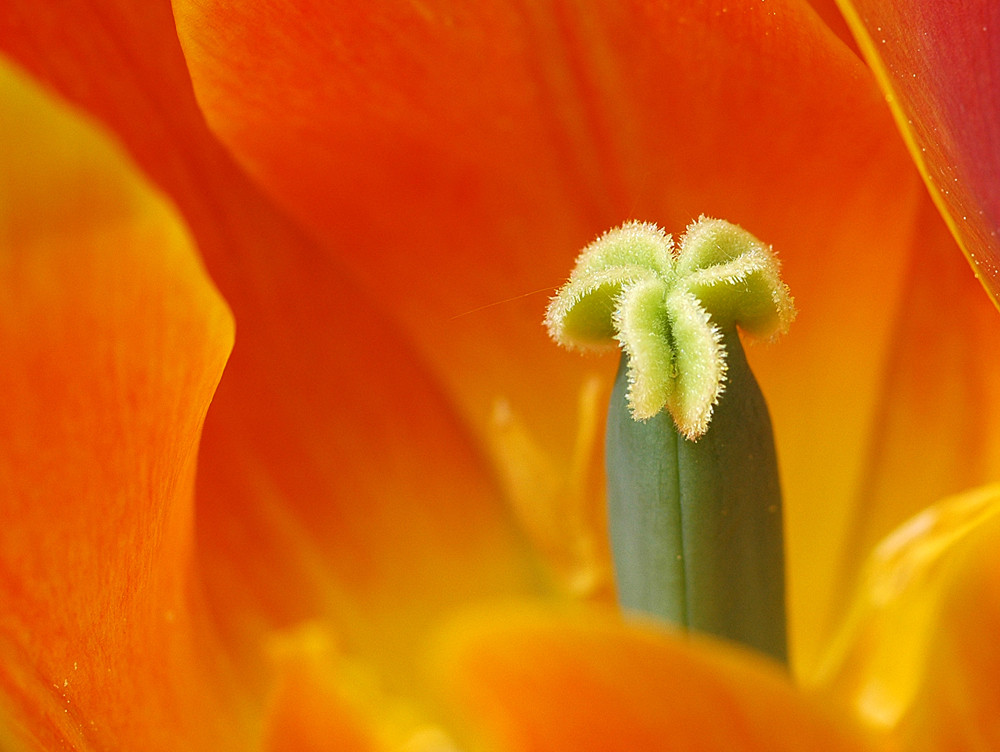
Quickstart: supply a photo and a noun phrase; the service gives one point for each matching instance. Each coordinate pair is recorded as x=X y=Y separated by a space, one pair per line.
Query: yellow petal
x=956 y=707
x=918 y=653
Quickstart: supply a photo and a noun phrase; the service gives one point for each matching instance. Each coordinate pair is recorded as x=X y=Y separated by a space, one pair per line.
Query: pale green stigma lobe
x=667 y=309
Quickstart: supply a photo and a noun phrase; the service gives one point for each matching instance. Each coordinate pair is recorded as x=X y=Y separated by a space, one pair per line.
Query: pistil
x=693 y=490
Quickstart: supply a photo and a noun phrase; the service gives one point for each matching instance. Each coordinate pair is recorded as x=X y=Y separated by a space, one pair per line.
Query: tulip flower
x=287 y=461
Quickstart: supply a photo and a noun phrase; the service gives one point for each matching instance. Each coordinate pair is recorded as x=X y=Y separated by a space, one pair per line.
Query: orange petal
x=334 y=479
x=759 y=142
x=113 y=341
x=456 y=159
x=919 y=655
x=533 y=682
x=938 y=66
x=121 y=62
x=834 y=19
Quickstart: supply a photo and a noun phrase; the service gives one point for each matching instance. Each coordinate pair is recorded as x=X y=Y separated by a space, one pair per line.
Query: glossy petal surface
x=113 y=341
x=939 y=64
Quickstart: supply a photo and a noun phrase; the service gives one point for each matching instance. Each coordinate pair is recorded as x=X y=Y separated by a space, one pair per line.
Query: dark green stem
x=696 y=526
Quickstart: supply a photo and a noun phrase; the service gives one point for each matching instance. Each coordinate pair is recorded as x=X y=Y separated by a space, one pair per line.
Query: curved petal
x=120 y=61
x=934 y=433
x=456 y=157
x=918 y=655
x=940 y=68
x=113 y=340
x=535 y=681
x=334 y=478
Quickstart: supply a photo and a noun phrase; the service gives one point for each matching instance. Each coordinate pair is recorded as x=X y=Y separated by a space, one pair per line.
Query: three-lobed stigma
x=667 y=307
